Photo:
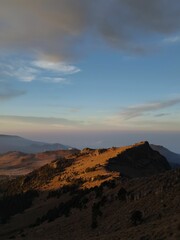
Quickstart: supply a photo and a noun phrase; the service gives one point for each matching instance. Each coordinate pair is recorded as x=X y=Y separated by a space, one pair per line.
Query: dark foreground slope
x=78 y=197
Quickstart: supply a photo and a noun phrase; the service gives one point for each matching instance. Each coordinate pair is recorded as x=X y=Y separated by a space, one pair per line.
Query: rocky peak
x=138 y=160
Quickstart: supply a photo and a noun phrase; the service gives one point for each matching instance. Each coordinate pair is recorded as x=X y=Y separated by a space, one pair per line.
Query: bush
x=96 y=211
x=122 y=194
x=136 y=217
x=109 y=184
x=94 y=223
x=98 y=191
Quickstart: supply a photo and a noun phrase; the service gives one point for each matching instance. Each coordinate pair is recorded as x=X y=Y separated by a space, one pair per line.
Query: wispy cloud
x=29 y=70
x=172 y=40
x=161 y=114
x=74 y=110
x=20 y=72
x=54 y=80
x=8 y=92
x=41 y=120
x=59 y=67
x=139 y=110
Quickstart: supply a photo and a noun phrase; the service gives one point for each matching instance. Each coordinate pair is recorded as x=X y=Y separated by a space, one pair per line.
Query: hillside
x=18 y=163
x=15 y=143
x=116 y=193
x=111 y=211
x=173 y=158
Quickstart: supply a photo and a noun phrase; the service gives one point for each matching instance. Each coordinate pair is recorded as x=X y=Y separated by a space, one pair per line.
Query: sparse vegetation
x=12 y=205
x=64 y=209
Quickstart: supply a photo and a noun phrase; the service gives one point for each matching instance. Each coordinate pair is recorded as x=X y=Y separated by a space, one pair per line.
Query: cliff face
x=140 y=160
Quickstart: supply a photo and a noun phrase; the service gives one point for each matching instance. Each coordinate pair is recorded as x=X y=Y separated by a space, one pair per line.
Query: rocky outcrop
x=139 y=160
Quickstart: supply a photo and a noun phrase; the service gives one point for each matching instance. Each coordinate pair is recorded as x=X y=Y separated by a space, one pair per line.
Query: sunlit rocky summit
x=125 y=193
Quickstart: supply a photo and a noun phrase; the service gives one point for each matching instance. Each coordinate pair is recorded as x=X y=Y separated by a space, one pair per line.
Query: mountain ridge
x=90 y=167
x=17 y=143
x=9 y=162
x=77 y=197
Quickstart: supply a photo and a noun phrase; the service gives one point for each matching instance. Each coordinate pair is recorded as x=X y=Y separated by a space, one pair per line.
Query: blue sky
x=86 y=73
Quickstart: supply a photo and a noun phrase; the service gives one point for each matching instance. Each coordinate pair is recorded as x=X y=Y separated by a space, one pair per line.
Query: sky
x=91 y=73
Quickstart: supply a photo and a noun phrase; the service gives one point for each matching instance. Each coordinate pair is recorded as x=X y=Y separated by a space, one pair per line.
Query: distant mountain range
x=173 y=158
x=15 y=143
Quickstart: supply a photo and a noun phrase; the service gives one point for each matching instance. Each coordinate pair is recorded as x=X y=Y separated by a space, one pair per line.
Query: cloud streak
x=59 y=67
x=56 y=27
x=7 y=92
x=139 y=110
x=40 y=120
x=44 y=71
x=172 y=40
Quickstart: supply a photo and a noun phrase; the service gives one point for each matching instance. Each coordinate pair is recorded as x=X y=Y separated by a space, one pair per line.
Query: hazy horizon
x=91 y=73
x=104 y=139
